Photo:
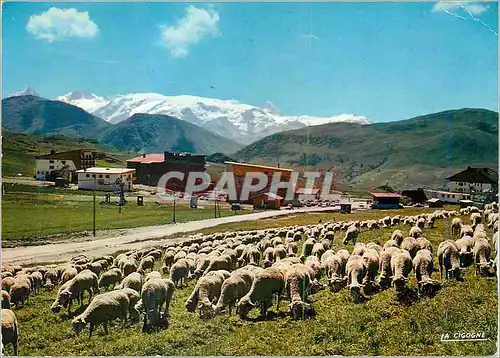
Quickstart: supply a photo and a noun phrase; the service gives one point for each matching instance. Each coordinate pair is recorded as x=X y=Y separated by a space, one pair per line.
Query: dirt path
x=128 y=239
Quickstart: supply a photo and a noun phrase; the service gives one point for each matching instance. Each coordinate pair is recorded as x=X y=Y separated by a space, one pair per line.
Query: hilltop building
x=64 y=164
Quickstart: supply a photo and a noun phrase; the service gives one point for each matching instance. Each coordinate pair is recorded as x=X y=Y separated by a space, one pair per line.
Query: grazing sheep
x=466 y=230
x=371 y=258
x=375 y=246
x=133 y=281
x=343 y=255
x=475 y=219
x=334 y=268
x=314 y=263
x=129 y=266
x=219 y=263
x=482 y=252
x=384 y=279
x=267 y=283
x=37 y=279
x=50 y=278
x=152 y=275
x=359 y=249
x=318 y=249
x=110 y=278
x=465 y=245
x=235 y=287
x=10 y=330
x=351 y=235
x=201 y=266
x=68 y=274
x=280 y=252
x=153 y=298
x=356 y=271
x=424 y=244
x=401 y=265
x=75 y=288
x=297 y=286
x=179 y=272
x=387 y=221
x=391 y=243
x=207 y=289
x=456 y=226
x=415 y=232
x=20 y=291
x=449 y=260
x=104 y=308
x=307 y=248
x=6 y=300
x=268 y=257
x=423 y=266
x=251 y=255
x=411 y=245
x=292 y=249
x=147 y=263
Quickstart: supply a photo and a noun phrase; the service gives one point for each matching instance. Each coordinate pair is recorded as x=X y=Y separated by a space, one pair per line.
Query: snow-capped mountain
x=25 y=92
x=229 y=118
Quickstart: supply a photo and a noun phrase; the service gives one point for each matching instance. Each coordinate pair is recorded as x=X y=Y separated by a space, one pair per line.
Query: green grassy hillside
x=420 y=150
x=19 y=151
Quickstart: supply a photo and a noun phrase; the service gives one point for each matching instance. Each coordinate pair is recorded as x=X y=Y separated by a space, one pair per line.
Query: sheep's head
x=56 y=307
x=64 y=298
x=355 y=292
x=298 y=308
x=399 y=283
x=337 y=283
x=466 y=258
x=455 y=272
x=244 y=306
x=190 y=305
x=267 y=264
x=384 y=281
x=78 y=324
x=484 y=269
x=165 y=269
x=206 y=310
x=429 y=288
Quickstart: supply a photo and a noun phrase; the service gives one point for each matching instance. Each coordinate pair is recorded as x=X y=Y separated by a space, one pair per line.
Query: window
x=107 y=175
x=88 y=175
x=38 y=172
x=51 y=167
x=51 y=161
x=100 y=175
x=93 y=175
x=63 y=161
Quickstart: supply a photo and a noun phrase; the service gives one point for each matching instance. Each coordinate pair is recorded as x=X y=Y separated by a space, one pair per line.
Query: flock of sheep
x=252 y=269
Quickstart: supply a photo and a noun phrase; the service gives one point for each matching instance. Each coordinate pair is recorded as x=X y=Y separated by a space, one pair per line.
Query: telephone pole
x=174 y=206
x=93 y=220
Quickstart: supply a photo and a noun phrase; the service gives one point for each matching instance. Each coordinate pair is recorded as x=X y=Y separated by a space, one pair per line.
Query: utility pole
x=174 y=205
x=215 y=202
x=93 y=221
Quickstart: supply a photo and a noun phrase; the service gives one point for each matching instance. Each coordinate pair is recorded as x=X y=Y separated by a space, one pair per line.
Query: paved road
x=131 y=238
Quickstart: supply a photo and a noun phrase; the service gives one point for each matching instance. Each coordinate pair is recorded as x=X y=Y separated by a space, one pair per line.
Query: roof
x=475 y=175
x=445 y=192
x=307 y=191
x=260 y=166
x=103 y=170
x=269 y=196
x=386 y=195
x=149 y=158
x=433 y=200
x=465 y=201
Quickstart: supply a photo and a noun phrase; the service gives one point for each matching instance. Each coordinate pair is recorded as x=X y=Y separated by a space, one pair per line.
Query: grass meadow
x=379 y=326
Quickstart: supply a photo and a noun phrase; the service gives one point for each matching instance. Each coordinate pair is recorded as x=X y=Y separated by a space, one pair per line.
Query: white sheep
x=110 y=278
x=371 y=258
x=153 y=298
x=10 y=330
x=401 y=265
x=265 y=285
x=102 y=309
x=423 y=267
x=465 y=245
x=179 y=272
x=75 y=288
x=456 y=226
x=482 y=252
x=356 y=271
x=133 y=281
x=207 y=289
x=351 y=235
x=297 y=285
x=449 y=260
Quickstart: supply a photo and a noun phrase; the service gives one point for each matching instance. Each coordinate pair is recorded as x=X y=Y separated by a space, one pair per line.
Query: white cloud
x=448 y=6
x=61 y=24
x=189 y=30
x=311 y=36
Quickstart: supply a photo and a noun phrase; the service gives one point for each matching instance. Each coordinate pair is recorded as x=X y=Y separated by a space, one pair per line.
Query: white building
x=105 y=179
x=55 y=164
x=446 y=196
x=473 y=180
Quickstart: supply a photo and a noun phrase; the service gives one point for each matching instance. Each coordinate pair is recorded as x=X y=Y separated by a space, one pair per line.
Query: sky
x=385 y=61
